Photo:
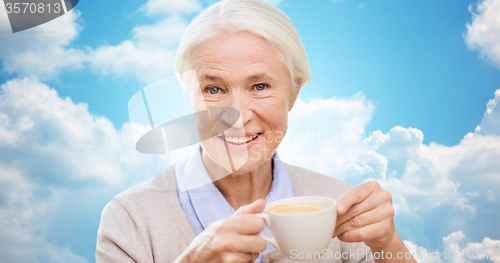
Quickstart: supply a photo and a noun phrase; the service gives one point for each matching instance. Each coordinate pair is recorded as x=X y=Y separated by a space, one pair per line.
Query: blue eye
x=260 y=86
x=213 y=90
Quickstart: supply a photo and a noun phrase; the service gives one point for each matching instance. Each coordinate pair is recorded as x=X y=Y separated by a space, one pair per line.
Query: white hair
x=253 y=16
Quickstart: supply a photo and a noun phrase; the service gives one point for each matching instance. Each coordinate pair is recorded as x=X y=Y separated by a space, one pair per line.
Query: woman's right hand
x=229 y=240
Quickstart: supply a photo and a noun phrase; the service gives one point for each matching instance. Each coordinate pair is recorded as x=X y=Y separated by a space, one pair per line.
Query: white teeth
x=239 y=140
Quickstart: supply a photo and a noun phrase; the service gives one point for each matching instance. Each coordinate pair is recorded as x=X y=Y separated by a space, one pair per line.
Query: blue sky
x=409 y=80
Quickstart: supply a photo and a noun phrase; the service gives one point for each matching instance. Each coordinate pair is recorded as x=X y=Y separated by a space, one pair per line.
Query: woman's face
x=242 y=71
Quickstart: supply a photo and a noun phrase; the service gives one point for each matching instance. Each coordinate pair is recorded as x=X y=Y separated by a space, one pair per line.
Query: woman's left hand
x=365 y=214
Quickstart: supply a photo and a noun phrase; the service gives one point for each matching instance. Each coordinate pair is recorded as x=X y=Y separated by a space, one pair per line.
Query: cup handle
x=267 y=220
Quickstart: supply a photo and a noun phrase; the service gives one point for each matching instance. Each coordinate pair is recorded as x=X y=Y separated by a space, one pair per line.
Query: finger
x=377 y=198
x=243 y=243
x=254 y=256
x=236 y=257
x=367 y=233
x=355 y=195
x=370 y=217
x=256 y=207
x=246 y=224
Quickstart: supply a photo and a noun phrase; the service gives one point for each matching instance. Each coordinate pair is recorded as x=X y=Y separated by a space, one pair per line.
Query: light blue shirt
x=204 y=204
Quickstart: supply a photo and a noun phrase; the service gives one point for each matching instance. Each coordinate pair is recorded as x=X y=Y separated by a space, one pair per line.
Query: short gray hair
x=253 y=16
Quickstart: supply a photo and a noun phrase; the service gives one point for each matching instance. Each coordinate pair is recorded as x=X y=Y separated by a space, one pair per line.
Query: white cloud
x=420 y=254
x=148 y=56
x=43 y=50
x=425 y=177
x=52 y=139
x=322 y=134
x=23 y=219
x=486 y=250
x=456 y=250
x=51 y=151
x=483 y=34
x=167 y=7
x=38 y=123
x=491 y=120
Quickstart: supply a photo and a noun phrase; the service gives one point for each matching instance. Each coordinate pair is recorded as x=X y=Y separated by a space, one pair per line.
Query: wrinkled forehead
x=237 y=54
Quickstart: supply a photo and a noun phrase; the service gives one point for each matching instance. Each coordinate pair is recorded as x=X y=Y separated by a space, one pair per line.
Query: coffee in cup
x=301 y=224
x=298 y=208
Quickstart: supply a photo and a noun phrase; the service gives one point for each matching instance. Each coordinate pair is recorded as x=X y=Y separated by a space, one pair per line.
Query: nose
x=243 y=104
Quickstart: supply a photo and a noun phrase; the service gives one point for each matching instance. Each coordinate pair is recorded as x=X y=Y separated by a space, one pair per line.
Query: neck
x=241 y=188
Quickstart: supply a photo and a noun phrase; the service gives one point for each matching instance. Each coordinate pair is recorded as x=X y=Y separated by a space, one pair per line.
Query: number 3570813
x=33 y=8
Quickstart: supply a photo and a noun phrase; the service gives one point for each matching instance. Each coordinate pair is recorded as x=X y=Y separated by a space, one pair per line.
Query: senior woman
x=246 y=55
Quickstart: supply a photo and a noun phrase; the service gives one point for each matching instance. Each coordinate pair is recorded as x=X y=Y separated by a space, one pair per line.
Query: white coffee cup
x=308 y=232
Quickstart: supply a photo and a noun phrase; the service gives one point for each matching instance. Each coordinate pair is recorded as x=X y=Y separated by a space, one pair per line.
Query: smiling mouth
x=239 y=140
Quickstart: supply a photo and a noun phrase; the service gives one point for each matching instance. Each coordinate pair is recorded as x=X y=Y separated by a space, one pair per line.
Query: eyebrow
x=252 y=77
x=209 y=77
x=260 y=76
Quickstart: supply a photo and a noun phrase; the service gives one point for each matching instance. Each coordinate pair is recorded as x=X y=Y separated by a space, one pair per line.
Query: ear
x=294 y=95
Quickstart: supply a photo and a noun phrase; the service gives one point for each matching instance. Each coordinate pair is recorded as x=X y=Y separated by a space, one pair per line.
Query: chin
x=248 y=167
x=254 y=161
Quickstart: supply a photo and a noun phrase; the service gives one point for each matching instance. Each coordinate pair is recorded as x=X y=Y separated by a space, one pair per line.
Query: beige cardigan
x=146 y=223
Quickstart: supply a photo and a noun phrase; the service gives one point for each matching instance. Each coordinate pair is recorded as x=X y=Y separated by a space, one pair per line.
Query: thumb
x=256 y=207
